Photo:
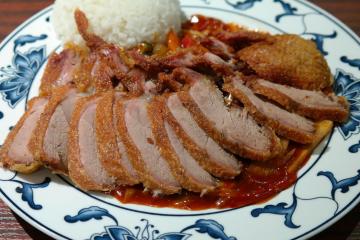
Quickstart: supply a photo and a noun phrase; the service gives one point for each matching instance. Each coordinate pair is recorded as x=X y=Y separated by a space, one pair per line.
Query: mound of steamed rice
x=123 y=22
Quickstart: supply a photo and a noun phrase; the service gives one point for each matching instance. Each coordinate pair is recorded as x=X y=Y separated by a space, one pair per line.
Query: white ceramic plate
x=327 y=187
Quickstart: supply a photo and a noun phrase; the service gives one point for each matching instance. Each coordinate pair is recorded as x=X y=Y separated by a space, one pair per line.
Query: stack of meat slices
x=103 y=123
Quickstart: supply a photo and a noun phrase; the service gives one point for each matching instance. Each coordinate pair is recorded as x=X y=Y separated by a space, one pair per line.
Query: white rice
x=123 y=22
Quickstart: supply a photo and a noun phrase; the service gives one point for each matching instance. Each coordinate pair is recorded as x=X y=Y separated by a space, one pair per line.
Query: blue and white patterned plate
x=327 y=187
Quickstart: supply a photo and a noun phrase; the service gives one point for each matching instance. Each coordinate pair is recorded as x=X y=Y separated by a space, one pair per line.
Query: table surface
x=14 y=12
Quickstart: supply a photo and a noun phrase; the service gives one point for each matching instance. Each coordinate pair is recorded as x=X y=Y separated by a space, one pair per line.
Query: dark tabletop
x=14 y=12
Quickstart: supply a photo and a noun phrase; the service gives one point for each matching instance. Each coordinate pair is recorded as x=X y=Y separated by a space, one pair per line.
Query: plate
x=327 y=186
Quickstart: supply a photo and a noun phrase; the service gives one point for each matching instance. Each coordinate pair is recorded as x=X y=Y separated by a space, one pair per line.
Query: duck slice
x=312 y=104
x=111 y=150
x=186 y=169
x=85 y=167
x=49 y=144
x=217 y=47
x=194 y=57
x=197 y=58
x=233 y=128
x=286 y=124
x=15 y=153
x=60 y=69
x=135 y=130
x=203 y=148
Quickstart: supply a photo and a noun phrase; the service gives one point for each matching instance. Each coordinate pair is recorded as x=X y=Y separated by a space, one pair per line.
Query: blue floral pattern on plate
x=354 y=148
x=242 y=5
x=27 y=190
x=115 y=232
x=290 y=11
x=348 y=86
x=18 y=74
x=288 y=210
x=352 y=62
x=17 y=78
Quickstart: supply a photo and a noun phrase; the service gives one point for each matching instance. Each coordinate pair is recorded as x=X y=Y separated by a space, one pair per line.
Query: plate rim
x=315 y=230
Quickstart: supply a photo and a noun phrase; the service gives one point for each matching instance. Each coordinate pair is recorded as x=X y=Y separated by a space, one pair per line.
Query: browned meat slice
x=166 y=81
x=109 y=66
x=215 y=63
x=233 y=128
x=60 y=70
x=15 y=153
x=203 y=148
x=52 y=71
x=91 y=39
x=85 y=168
x=111 y=150
x=286 y=124
x=152 y=87
x=134 y=81
x=290 y=60
x=149 y=64
x=313 y=104
x=186 y=169
x=136 y=133
x=218 y=47
x=242 y=38
x=184 y=58
x=49 y=144
x=298 y=155
x=105 y=68
x=195 y=58
x=82 y=76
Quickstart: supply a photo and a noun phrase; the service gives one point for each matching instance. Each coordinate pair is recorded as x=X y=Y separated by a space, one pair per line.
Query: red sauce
x=207 y=24
x=249 y=188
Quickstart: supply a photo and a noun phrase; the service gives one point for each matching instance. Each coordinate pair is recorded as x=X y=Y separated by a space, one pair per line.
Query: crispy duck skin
x=136 y=134
x=52 y=71
x=60 y=70
x=218 y=47
x=284 y=123
x=134 y=81
x=206 y=104
x=312 y=104
x=114 y=160
x=203 y=148
x=108 y=63
x=195 y=57
x=15 y=153
x=85 y=169
x=37 y=142
x=167 y=82
x=237 y=144
x=82 y=23
x=105 y=69
x=187 y=171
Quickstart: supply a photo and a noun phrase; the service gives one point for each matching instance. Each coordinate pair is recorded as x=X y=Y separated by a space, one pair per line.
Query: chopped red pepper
x=173 y=41
x=187 y=42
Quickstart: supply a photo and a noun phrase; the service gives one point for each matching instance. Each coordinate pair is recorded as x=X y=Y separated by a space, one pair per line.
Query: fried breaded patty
x=288 y=59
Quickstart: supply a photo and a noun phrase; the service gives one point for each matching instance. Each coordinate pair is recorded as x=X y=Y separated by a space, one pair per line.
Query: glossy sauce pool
x=249 y=188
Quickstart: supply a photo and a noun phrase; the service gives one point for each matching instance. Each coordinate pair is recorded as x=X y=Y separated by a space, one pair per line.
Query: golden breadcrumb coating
x=288 y=59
